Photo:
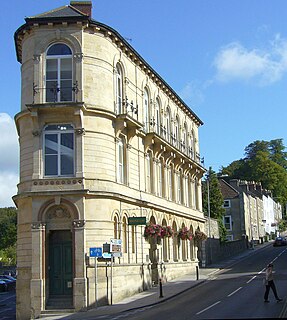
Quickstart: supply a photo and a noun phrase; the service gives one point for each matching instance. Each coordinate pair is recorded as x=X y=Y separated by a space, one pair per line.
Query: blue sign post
x=96 y=252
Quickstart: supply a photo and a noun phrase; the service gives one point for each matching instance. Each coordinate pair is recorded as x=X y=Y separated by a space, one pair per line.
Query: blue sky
x=227 y=59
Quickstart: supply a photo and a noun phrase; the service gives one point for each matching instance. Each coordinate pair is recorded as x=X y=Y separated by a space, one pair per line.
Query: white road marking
x=208 y=307
x=232 y=293
x=251 y=279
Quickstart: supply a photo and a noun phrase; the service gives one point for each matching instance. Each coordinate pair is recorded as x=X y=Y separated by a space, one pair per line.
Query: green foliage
x=265 y=162
x=282 y=225
x=216 y=200
x=8 y=227
x=8 y=256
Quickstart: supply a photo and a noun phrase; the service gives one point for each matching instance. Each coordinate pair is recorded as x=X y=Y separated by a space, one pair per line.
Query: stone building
x=103 y=138
x=250 y=210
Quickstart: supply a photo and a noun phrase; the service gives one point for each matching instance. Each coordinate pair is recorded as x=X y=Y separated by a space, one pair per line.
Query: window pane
x=67 y=143
x=51 y=144
x=59 y=49
x=67 y=165
x=66 y=69
x=66 y=90
x=51 y=91
x=51 y=165
x=51 y=70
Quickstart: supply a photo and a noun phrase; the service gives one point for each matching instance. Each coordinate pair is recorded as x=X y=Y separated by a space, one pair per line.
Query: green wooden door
x=60 y=263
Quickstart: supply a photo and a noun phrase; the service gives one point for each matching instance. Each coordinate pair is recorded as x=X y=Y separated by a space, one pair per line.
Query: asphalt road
x=8 y=305
x=235 y=293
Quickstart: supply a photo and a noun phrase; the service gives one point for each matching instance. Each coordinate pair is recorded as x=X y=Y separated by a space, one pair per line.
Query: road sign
x=116 y=246
x=96 y=252
x=135 y=221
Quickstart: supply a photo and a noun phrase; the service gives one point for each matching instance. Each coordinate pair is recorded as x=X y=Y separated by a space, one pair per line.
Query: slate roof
x=227 y=190
x=62 y=12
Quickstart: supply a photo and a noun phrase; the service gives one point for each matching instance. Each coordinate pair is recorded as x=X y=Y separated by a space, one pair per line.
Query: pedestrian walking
x=269 y=283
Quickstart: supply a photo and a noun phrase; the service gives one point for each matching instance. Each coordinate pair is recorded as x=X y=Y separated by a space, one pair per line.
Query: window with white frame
x=226 y=204
x=179 y=195
x=59 y=75
x=157 y=117
x=121 y=161
x=59 y=155
x=146 y=110
x=176 y=132
x=169 y=183
x=168 y=125
x=119 y=89
x=159 y=178
x=148 y=172
x=227 y=223
x=229 y=237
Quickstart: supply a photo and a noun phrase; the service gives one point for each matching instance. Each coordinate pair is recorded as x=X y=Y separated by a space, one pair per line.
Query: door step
x=56 y=313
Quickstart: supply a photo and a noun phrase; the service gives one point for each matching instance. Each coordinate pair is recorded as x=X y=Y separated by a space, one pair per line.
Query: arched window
x=192 y=146
x=176 y=132
x=59 y=155
x=168 y=125
x=116 y=228
x=169 y=182
x=125 y=235
x=184 y=138
x=59 y=75
x=183 y=247
x=165 y=246
x=146 y=110
x=157 y=116
x=192 y=246
x=149 y=167
x=121 y=168
x=119 y=89
x=159 y=178
x=179 y=187
x=175 y=242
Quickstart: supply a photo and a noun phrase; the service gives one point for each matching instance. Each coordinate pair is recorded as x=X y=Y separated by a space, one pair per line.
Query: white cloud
x=267 y=66
x=192 y=93
x=9 y=160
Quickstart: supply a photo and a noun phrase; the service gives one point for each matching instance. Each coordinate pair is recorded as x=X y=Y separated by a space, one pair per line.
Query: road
x=8 y=305
x=230 y=294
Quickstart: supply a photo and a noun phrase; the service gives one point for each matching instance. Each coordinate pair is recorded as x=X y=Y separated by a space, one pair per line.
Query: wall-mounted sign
x=136 y=221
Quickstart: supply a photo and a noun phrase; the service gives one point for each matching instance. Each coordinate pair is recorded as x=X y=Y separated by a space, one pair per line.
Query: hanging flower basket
x=166 y=232
x=152 y=233
x=199 y=236
x=184 y=234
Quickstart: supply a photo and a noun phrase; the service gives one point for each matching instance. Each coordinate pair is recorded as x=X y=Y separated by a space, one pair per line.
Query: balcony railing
x=56 y=94
x=160 y=130
x=128 y=108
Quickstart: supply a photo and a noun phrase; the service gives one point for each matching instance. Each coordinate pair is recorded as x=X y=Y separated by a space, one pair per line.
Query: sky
x=227 y=59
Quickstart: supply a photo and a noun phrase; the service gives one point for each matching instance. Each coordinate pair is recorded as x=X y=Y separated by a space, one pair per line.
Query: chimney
x=84 y=6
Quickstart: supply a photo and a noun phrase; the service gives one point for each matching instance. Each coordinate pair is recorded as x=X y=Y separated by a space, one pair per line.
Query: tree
x=265 y=162
x=8 y=235
x=213 y=201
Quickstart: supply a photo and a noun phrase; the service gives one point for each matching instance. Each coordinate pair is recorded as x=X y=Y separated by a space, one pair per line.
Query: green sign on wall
x=135 y=221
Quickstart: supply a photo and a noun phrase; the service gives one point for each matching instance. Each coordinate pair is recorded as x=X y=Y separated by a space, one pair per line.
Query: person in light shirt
x=269 y=283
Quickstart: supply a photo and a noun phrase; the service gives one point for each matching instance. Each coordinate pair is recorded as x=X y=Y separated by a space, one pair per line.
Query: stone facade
x=102 y=138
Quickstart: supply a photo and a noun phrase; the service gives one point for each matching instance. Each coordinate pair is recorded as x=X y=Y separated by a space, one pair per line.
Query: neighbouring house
x=106 y=145
x=250 y=210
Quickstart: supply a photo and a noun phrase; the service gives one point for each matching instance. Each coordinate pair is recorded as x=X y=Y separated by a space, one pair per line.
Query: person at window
x=269 y=283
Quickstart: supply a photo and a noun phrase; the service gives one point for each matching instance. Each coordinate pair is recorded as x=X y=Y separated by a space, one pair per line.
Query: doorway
x=60 y=268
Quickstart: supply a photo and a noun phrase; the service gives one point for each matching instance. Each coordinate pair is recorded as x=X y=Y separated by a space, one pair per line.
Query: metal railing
x=56 y=94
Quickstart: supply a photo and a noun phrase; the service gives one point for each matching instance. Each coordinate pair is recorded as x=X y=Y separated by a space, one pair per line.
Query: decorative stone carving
x=36 y=58
x=80 y=131
x=78 y=56
x=79 y=223
x=36 y=133
x=38 y=225
x=59 y=213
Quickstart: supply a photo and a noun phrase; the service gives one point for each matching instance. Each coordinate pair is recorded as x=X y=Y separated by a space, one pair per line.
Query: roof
x=227 y=190
x=62 y=12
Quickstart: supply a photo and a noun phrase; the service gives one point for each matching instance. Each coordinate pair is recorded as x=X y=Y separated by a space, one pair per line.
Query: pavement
x=151 y=297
